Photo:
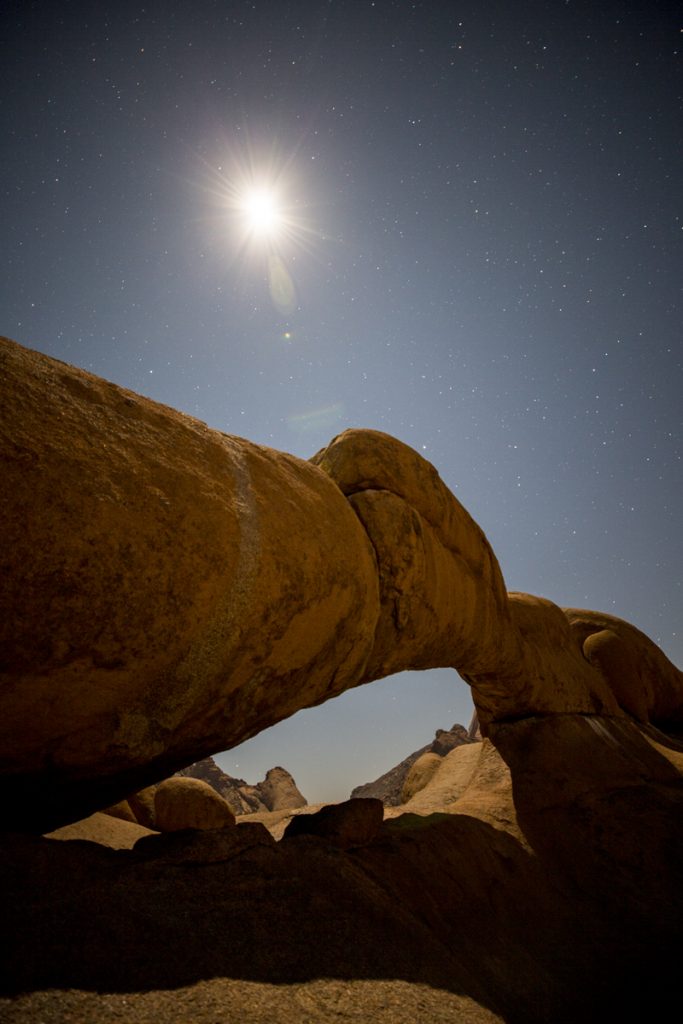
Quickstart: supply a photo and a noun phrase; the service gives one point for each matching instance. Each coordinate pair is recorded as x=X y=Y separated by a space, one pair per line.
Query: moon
x=263 y=215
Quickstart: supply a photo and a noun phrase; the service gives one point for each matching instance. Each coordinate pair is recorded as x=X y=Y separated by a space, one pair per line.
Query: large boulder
x=190 y=803
x=167 y=591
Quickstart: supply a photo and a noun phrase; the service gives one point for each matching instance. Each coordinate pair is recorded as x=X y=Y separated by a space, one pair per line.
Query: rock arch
x=167 y=591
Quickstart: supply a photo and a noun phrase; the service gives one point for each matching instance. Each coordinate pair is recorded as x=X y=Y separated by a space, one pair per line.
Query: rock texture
x=389 y=787
x=167 y=591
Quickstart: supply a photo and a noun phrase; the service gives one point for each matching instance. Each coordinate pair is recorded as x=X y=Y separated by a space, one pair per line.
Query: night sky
x=477 y=250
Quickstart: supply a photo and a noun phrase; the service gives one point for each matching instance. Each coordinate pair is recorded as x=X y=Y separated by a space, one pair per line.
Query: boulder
x=201 y=846
x=348 y=824
x=279 y=791
x=421 y=771
x=189 y=803
x=250 y=799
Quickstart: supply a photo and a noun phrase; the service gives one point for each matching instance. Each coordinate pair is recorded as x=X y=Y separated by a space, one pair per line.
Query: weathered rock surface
x=447 y=739
x=189 y=803
x=389 y=787
x=167 y=591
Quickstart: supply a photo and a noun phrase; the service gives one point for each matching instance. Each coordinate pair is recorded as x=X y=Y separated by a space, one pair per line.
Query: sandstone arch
x=167 y=591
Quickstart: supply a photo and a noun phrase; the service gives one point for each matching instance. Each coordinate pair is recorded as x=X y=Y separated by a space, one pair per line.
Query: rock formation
x=279 y=792
x=553 y=891
x=208 y=771
x=436 y=783
x=167 y=591
x=276 y=792
x=389 y=787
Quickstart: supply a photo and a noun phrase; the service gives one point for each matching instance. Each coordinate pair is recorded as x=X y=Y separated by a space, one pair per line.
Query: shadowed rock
x=350 y=823
x=167 y=591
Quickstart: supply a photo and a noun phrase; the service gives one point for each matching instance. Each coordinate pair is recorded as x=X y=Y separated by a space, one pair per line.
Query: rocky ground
x=545 y=892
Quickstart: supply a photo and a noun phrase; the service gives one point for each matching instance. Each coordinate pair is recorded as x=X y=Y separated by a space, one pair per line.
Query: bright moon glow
x=261 y=209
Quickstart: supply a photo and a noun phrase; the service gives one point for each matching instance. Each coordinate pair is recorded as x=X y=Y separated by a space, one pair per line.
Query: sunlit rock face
x=168 y=591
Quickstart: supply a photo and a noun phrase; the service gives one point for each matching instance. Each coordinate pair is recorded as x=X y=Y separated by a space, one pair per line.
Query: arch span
x=168 y=591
